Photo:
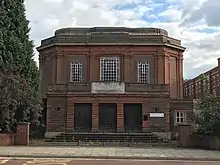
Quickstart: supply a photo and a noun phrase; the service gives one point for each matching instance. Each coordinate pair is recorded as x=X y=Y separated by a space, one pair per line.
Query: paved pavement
x=7 y=161
x=110 y=153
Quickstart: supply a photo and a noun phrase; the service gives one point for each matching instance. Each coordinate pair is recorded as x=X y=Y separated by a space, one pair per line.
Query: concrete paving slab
x=110 y=153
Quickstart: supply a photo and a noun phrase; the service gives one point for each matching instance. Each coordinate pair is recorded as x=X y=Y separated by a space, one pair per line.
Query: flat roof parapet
x=110 y=30
x=111 y=36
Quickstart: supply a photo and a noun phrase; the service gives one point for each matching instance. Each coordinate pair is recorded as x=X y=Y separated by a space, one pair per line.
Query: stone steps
x=106 y=137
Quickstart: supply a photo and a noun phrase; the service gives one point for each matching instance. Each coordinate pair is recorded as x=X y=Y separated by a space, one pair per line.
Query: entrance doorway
x=108 y=117
x=83 y=117
x=133 y=117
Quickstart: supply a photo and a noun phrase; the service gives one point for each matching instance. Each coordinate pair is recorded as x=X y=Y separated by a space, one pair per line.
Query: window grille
x=143 y=72
x=110 y=69
x=76 y=72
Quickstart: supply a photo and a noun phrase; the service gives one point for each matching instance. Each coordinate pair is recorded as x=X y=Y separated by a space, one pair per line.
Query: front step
x=113 y=137
x=107 y=137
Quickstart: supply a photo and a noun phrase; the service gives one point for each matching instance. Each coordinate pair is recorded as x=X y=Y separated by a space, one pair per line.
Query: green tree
x=206 y=116
x=17 y=103
x=16 y=49
x=16 y=58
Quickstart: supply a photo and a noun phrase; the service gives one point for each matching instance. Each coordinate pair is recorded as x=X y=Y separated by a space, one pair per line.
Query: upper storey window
x=109 y=69
x=143 y=72
x=213 y=81
x=185 y=91
x=76 y=72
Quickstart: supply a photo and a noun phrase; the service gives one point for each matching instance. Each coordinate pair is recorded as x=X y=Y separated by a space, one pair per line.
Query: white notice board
x=156 y=114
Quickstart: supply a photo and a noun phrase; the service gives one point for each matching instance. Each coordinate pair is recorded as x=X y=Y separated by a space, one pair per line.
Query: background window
x=143 y=72
x=109 y=69
x=180 y=117
x=76 y=72
x=185 y=91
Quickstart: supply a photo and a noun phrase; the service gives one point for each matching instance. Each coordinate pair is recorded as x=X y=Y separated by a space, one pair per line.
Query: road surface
x=20 y=161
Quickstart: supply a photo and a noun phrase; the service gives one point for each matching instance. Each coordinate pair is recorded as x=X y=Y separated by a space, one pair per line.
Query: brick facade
x=165 y=57
x=20 y=137
x=205 y=83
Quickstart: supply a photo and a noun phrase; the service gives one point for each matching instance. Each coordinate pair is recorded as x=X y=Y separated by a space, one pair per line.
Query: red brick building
x=112 y=79
x=206 y=83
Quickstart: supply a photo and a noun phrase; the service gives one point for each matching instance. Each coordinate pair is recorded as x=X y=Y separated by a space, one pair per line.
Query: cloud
x=208 y=10
x=195 y=22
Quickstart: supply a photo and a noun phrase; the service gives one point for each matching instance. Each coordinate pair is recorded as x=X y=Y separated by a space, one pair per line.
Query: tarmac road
x=20 y=161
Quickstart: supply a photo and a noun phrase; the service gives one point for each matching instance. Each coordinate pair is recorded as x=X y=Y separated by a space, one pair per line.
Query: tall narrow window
x=109 y=69
x=185 y=91
x=76 y=72
x=143 y=72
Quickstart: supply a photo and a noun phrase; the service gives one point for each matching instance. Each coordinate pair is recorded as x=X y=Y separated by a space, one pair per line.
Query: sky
x=195 y=22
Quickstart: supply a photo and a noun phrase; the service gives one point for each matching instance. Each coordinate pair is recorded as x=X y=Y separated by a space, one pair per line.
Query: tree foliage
x=206 y=116
x=18 y=103
x=17 y=66
x=16 y=49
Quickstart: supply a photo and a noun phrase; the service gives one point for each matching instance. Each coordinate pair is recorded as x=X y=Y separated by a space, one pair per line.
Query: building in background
x=205 y=83
x=112 y=79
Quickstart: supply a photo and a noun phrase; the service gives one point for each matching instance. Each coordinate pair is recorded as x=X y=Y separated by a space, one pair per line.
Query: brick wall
x=196 y=88
x=55 y=64
x=21 y=137
x=189 y=140
x=206 y=142
x=7 y=139
x=162 y=60
x=148 y=106
x=95 y=117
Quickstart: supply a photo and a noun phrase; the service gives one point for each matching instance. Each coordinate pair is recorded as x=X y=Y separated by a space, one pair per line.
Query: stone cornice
x=112 y=44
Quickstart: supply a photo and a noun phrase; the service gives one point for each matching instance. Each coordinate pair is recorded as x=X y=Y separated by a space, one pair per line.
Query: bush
x=206 y=117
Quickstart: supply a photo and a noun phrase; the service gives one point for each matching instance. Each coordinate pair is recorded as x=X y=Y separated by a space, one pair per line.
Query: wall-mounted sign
x=156 y=114
x=108 y=87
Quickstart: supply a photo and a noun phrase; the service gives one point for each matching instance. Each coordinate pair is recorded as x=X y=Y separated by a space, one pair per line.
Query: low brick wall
x=206 y=142
x=189 y=140
x=7 y=139
x=21 y=137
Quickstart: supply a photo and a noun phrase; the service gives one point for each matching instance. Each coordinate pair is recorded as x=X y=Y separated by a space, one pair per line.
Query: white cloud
x=172 y=13
x=187 y=20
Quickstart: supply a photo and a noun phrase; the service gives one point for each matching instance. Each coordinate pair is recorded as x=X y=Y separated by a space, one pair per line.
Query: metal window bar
x=110 y=69
x=143 y=72
x=76 y=72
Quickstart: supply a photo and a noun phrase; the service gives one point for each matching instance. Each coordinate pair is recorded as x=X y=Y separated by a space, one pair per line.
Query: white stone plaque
x=156 y=114
x=108 y=87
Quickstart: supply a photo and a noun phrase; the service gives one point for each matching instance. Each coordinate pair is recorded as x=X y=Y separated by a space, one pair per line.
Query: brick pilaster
x=95 y=117
x=181 y=78
x=120 y=117
x=70 y=118
x=22 y=134
x=145 y=114
x=127 y=68
x=167 y=121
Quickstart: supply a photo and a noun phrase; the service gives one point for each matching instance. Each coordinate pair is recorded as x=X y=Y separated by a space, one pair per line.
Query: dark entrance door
x=133 y=117
x=83 y=117
x=108 y=117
